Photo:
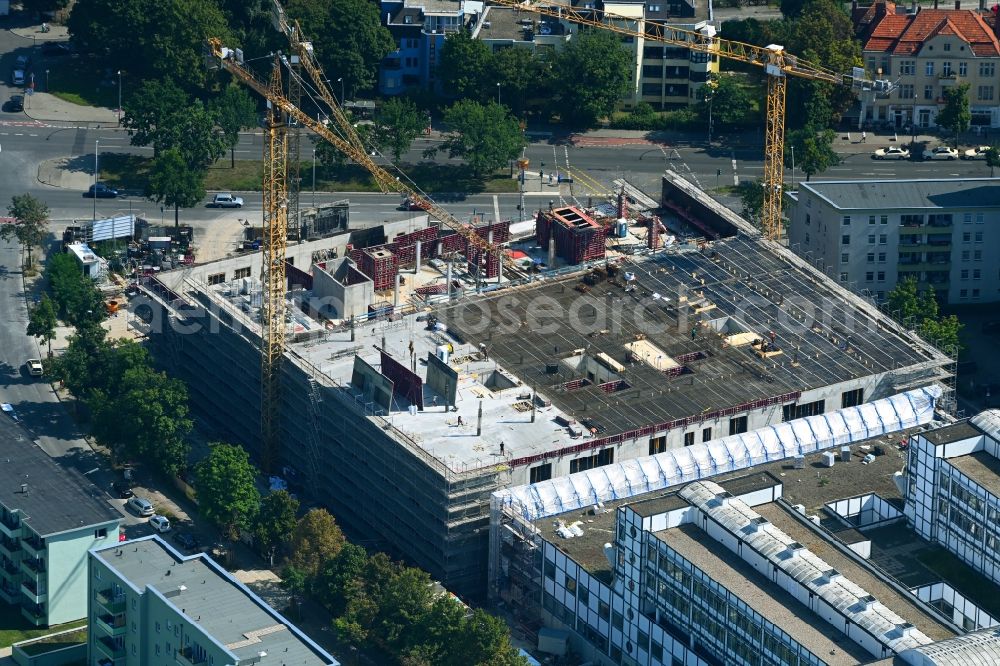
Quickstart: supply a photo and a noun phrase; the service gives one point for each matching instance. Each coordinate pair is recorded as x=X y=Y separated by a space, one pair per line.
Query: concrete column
x=479 y=420
x=417 y=269
x=395 y=293
x=448 y=278
x=552 y=251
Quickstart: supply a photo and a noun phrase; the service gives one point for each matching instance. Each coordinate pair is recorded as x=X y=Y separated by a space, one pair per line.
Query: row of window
x=909 y=67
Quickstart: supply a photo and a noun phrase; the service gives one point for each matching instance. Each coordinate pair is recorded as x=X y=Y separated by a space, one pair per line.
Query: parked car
x=412 y=204
x=56 y=49
x=226 y=200
x=977 y=153
x=160 y=523
x=17 y=77
x=101 y=191
x=34 y=367
x=141 y=506
x=16 y=104
x=186 y=540
x=941 y=153
x=891 y=153
x=122 y=490
x=8 y=409
x=22 y=61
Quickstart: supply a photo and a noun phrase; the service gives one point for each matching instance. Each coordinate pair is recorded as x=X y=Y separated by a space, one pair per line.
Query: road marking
x=736 y=177
x=19 y=134
x=496 y=208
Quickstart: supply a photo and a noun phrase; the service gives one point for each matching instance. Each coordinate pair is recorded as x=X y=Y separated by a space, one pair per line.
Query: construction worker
x=864 y=137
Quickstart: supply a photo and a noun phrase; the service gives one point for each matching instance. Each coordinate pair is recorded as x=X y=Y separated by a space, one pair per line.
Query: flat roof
x=954 y=432
x=57 y=498
x=905 y=605
x=981 y=467
x=971 y=193
x=213 y=600
x=767 y=598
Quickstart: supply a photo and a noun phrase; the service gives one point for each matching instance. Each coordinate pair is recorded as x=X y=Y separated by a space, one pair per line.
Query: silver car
x=141 y=506
x=226 y=200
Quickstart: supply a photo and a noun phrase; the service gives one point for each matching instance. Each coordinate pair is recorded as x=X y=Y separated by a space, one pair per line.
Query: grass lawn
x=50 y=643
x=78 y=80
x=961 y=577
x=14 y=628
x=132 y=171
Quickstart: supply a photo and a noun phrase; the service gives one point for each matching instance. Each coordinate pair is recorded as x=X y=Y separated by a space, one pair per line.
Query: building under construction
x=414 y=388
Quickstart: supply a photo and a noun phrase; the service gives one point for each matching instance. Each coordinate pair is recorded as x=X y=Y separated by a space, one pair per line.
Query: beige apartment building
x=926 y=51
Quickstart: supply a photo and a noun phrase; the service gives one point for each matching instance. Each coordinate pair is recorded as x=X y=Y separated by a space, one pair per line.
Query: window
x=157 y=627
x=977 y=274
x=977 y=255
x=967 y=237
x=616 y=620
x=975 y=293
x=657 y=445
x=101 y=533
x=846 y=220
x=869 y=276
x=852 y=398
x=946 y=67
x=964 y=274
x=571 y=585
x=540 y=473
x=883 y=219
x=604 y=457
x=979 y=236
x=979 y=218
x=907 y=67
x=583 y=594
x=871 y=219
x=985 y=93
x=871 y=239
x=929 y=68
x=928 y=92
x=963 y=68
x=739 y=424
x=603 y=610
x=947 y=47
x=808 y=220
x=217 y=278
x=883 y=239
x=843 y=277
x=881 y=257
x=987 y=69
x=241 y=273
x=871 y=257
x=906 y=92
x=845 y=239
x=967 y=218
x=688 y=438
x=706 y=434
x=965 y=255
x=845 y=258
x=963 y=293
x=550 y=569
x=881 y=276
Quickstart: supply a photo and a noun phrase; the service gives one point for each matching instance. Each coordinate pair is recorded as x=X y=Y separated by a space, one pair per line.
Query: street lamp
x=46 y=80
x=314 y=177
x=119 y=97
x=341 y=81
x=498 y=94
x=97 y=147
x=913 y=121
x=541 y=176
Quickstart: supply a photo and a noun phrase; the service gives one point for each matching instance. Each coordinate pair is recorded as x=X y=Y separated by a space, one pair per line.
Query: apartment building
x=148 y=605
x=926 y=51
x=49 y=518
x=953 y=490
x=870 y=235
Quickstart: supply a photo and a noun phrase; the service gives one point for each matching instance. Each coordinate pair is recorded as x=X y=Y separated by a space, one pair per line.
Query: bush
x=643 y=117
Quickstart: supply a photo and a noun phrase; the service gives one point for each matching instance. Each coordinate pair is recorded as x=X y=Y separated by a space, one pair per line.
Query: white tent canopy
x=777 y=442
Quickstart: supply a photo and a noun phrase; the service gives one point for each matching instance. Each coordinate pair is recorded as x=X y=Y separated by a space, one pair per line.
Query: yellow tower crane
x=231 y=61
x=776 y=63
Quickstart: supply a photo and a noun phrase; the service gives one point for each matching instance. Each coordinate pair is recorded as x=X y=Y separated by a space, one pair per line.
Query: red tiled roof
x=906 y=34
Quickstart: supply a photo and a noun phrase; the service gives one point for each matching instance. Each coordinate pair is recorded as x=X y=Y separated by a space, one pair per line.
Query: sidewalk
x=42 y=106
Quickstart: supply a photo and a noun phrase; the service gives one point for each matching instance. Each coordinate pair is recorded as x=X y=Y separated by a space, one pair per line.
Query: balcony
x=115 y=649
x=110 y=602
x=911 y=229
x=10 y=547
x=111 y=624
x=33 y=545
x=10 y=526
x=10 y=593
x=33 y=567
x=37 y=615
x=188 y=657
x=34 y=592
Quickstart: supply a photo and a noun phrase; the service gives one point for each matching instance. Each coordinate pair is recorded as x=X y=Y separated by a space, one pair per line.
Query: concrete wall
x=67 y=570
x=339 y=298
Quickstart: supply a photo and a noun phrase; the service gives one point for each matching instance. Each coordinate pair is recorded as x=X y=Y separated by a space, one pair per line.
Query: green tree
x=813 y=150
x=37 y=6
x=42 y=321
x=294 y=580
x=348 y=36
x=955 y=115
x=234 y=110
x=275 y=522
x=75 y=296
x=943 y=332
x=792 y=8
x=992 y=159
x=591 y=74
x=919 y=310
x=175 y=182
x=485 y=136
x=397 y=124
x=30 y=219
x=729 y=100
x=338 y=577
x=227 y=490
x=465 y=68
x=485 y=639
x=752 y=200
x=315 y=539
x=150 y=111
x=524 y=78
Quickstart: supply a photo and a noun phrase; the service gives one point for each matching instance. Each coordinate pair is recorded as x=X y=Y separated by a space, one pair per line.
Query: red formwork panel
x=578 y=237
x=380 y=265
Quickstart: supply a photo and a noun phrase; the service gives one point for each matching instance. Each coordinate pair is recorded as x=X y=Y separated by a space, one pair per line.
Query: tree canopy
x=42 y=321
x=234 y=110
x=275 y=522
x=227 y=492
x=30 y=219
x=465 y=68
x=315 y=539
x=955 y=115
x=77 y=300
x=348 y=36
x=918 y=309
x=592 y=73
x=484 y=135
x=174 y=182
x=397 y=123
x=813 y=150
x=729 y=100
